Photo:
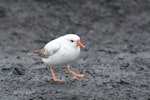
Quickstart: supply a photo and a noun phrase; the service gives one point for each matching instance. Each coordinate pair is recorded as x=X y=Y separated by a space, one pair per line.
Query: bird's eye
x=71 y=40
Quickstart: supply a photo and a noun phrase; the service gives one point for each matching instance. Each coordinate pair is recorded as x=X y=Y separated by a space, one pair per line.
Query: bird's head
x=74 y=40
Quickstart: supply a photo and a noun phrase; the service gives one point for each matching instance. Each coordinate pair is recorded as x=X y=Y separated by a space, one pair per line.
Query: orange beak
x=80 y=44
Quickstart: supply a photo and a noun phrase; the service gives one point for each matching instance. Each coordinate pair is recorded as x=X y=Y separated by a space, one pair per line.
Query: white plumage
x=61 y=51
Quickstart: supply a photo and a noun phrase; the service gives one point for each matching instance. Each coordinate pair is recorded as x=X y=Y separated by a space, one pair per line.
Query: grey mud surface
x=116 y=62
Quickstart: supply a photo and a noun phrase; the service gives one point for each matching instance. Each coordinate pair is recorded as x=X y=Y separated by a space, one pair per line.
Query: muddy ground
x=116 y=62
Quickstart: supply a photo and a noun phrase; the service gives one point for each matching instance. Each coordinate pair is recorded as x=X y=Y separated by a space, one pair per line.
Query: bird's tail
x=31 y=54
x=39 y=52
x=36 y=52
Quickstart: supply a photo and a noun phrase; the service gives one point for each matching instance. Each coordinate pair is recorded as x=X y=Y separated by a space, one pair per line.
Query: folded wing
x=49 y=49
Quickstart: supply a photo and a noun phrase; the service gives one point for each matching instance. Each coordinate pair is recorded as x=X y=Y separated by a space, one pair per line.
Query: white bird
x=61 y=51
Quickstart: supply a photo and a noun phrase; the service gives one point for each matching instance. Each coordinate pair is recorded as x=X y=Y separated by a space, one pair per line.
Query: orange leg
x=74 y=74
x=53 y=75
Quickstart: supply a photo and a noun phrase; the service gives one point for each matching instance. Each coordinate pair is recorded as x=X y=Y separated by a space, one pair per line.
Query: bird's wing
x=48 y=50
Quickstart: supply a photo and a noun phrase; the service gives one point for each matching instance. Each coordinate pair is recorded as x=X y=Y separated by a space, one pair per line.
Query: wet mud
x=116 y=62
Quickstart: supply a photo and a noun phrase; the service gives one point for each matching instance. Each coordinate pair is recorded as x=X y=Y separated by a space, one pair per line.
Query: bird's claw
x=78 y=75
x=57 y=80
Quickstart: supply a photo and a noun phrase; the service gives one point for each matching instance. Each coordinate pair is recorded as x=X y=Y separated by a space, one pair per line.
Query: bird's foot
x=53 y=75
x=75 y=75
x=57 y=80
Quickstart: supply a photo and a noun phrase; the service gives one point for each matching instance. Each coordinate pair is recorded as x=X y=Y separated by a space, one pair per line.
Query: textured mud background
x=116 y=62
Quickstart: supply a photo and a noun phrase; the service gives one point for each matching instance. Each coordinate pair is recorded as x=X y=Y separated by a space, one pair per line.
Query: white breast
x=63 y=56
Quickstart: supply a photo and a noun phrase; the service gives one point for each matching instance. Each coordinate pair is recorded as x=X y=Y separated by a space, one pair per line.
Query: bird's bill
x=80 y=44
